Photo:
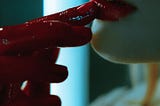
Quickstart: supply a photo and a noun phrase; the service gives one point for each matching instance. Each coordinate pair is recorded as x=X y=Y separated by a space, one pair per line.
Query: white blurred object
x=74 y=90
x=134 y=39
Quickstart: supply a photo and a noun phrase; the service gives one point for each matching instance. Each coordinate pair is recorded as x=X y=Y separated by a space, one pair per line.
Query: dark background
x=104 y=76
x=18 y=11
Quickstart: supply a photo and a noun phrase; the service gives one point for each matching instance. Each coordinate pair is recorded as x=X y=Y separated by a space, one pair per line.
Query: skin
x=152 y=84
x=34 y=47
x=123 y=42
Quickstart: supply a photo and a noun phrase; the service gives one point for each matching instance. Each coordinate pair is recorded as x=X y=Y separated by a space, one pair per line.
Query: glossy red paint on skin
x=35 y=101
x=30 y=67
x=34 y=88
x=77 y=16
x=33 y=46
x=113 y=10
x=37 y=88
x=9 y=91
x=50 y=53
x=42 y=35
x=39 y=33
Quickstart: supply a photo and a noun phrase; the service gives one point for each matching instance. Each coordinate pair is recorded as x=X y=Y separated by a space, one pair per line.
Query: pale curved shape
x=133 y=39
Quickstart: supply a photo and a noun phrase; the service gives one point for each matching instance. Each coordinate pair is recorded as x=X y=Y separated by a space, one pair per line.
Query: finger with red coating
x=30 y=68
x=109 y=10
x=4 y=93
x=59 y=75
x=113 y=10
x=10 y=91
x=49 y=53
x=77 y=16
x=36 y=101
x=37 y=89
x=80 y=36
x=42 y=35
x=64 y=34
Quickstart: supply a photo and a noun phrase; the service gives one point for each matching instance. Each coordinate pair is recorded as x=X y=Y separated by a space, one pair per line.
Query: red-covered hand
x=33 y=59
x=28 y=51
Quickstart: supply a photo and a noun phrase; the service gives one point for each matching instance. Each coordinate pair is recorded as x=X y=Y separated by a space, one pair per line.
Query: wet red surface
x=28 y=51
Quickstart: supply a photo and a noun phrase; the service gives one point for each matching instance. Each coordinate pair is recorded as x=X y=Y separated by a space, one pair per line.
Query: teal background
x=18 y=11
x=103 y=77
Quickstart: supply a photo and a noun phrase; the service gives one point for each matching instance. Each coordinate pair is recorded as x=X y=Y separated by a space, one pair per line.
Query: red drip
x=29 y=51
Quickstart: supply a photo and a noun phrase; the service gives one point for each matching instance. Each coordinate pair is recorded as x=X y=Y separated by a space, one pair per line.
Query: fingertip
x=59 y=73
x=83 y=33
x=79 y=36
x=57 y=98
x=113 y=10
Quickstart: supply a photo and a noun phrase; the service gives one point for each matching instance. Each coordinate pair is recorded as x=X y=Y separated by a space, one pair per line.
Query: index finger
x=27 y=37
